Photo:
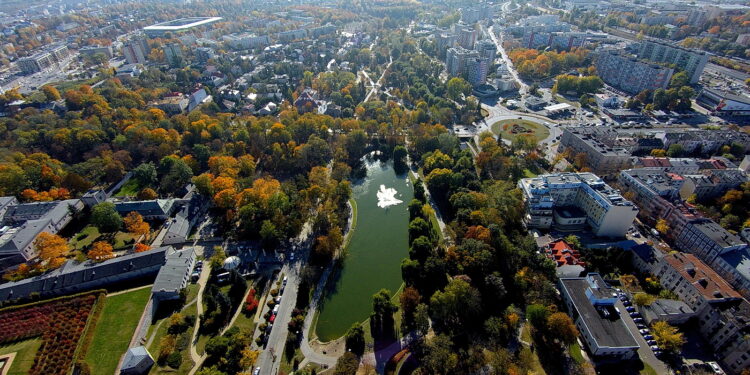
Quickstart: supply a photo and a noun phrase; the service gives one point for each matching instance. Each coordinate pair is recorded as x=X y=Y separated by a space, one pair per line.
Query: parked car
x=641 y=326
x=626 y=303
x=635 y=315
x=272 y=318
x=277 y=299
x=644 y=331
x=655 y=348
x=651 y=342
x=630 y=309
x=275 y=309
x=283 y=282
x=648 y=337
x=638 y=320
x=256 y=371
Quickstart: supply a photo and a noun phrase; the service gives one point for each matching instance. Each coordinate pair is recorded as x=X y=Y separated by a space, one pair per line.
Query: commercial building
x=136 y=51
x=724 y=103
x=591 y=304
x=178 y=26
x=569 y=199
x=603 y=155
x=692 y=62
x=629 y=74
x=43 y=60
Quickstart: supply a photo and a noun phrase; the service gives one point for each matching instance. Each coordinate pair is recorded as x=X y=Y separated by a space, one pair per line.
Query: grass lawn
x=505 y=128
x=85 y=237
x=25 y=352
x=130 y=189
x=122 y=238
x=187 y=362
x=528 y=173
x=114 y=330
x=74 y=85
x=575 y=353
x=287 y=365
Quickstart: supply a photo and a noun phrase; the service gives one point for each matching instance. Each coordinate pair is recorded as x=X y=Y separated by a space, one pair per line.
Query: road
x=376 y=86
x=197 y=358
x=523 y=88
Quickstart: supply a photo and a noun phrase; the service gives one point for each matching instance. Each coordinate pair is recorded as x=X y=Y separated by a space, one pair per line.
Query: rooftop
x=705 y=280
x=717 y=233
x=182 y=24
x=593 y=300
x=740 y=260
x=171 y=277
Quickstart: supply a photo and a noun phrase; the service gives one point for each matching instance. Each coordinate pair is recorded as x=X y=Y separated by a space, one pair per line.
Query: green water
x=378 y=244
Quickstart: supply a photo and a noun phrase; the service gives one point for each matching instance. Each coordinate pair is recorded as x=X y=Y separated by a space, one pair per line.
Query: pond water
x=378 y=244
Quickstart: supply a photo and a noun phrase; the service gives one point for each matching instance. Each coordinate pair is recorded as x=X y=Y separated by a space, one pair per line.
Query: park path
x=198 y=359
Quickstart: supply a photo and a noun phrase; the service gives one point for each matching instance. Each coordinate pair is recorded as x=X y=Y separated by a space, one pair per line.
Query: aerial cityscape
x=396 y=187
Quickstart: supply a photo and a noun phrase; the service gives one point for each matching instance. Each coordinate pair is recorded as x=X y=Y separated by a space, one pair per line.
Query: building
x=603 y=155
x=487 y=49
x=734 y=267
x=608 y=101
x=315 y=32
x=24 y=222
x=43 y=60
x=456 y=58
x=178 y=26
x=648 y=183
x=157 y=209
x=137 y=361
x=5 y=204
x=476 y=70
x=94 y=50
x=629 y=74
x=713 y=183
x=724 y=103
x=291 y=35
x=565 y=199
x=75 y=277
x=174 y=275
x=566 y=258
x=174 y=103
x=307 y=101
x=173 y=54
x=466 y=35
x=557 y=40
x=246 y=41
x=691 y=62
x=707 y=240
x=136 y=51
x=671 y=311
x=694 y=281
x=591 y=304
x=93 y=197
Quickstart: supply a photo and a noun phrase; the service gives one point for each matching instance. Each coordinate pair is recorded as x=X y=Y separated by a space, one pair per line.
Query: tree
x=355 y=339
x=399 y=159
x=141 y=247
x=409 y=300
x=662 y=226
x=145 y=174
x=422 y=319
x=249 y=357
x=562 y=328
x=537 y=315
x=658 y=153
x=51 y=93
x=457 y=88
x=135 y=224
x=100 y=250
x=50 y=247
x=383 y=310
x=440 y=358
x=643 y=299
x=679 y=79
x=147 y=194
x=104 y=216
x=675 y=150
x=573 y=241
x=347 y=364
x=667 y=337
x=456 y=306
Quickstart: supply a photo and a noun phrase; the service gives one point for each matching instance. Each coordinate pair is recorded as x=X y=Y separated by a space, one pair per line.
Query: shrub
x=174 y=360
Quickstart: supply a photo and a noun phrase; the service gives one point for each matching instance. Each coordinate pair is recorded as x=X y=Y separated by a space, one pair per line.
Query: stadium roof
x=181 y=24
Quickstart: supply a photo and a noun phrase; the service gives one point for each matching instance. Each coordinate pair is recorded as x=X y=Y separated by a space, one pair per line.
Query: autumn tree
x=643 y=299
x=147 y=194
x=562 y=328
x=667 y=337
x=662 y=226
x=141 y=247
x=51 y=248
x=100 y=250
x=51 y=93
x=135 y=224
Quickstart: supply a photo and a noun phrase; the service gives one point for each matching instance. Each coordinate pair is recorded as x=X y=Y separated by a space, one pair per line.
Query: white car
x=256 y=371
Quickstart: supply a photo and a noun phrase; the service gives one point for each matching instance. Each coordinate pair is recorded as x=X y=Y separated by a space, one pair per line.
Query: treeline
x=534 y=64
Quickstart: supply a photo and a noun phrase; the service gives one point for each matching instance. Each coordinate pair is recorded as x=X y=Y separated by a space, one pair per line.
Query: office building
x=591 y=304
x=567 y=200
x=629 y=74
x=692 y=62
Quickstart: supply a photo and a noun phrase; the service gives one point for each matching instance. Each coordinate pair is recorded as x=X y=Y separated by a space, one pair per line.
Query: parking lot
x=644 y=352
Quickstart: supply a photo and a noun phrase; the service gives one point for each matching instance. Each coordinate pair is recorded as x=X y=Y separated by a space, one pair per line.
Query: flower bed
x=59 y=322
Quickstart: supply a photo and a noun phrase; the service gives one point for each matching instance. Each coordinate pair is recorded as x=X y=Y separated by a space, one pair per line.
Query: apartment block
x=43 y=60
x=476 y=70
x=692 y=62
x=629 y=74
x=707 y=240
x=466 y=35
x=136 y=51
x=566 y=200
x=456 y=58
x=603 y=156
x=487 y=49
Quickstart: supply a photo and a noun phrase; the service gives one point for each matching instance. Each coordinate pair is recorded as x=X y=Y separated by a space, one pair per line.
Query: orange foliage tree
x=51 y=248
x=135 y=224
x=100 y=250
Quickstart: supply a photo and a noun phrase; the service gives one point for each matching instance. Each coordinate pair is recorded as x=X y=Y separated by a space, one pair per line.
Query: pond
x=377 y=246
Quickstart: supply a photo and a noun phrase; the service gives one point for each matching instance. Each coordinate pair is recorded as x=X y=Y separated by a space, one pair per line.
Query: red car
x=272 y=318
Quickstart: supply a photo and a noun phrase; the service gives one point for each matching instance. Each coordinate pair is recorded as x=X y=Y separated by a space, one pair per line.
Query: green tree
x=355 y=339
x=422 y=318
x=667 y=337
x=457 y=88
x=562 y=328
x=145 y=174
x=537 y=315
x=347 y=364
x=675 y=150
x=679 y=79
x=383 y=310
x=456 y=306
x=440 y=357
x=104 y=216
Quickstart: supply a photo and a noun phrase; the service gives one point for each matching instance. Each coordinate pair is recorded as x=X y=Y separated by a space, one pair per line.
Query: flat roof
x=558 y=107
x=608 y=332
x=182 y=24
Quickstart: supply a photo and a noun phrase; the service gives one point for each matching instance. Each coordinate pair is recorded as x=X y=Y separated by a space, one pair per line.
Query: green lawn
x=575 y=353
x=187 y=362
x=130 y=189
x=114 y=330
x=121 y=240
x=25 y=352
x=85 y=237
x=505 y=128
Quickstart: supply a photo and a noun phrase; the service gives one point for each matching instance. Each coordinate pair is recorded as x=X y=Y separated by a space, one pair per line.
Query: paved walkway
x=197 y=358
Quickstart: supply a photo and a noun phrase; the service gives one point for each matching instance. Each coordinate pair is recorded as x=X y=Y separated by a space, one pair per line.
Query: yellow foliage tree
x=135 y=224
x=51 y=247
x=100 y=251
